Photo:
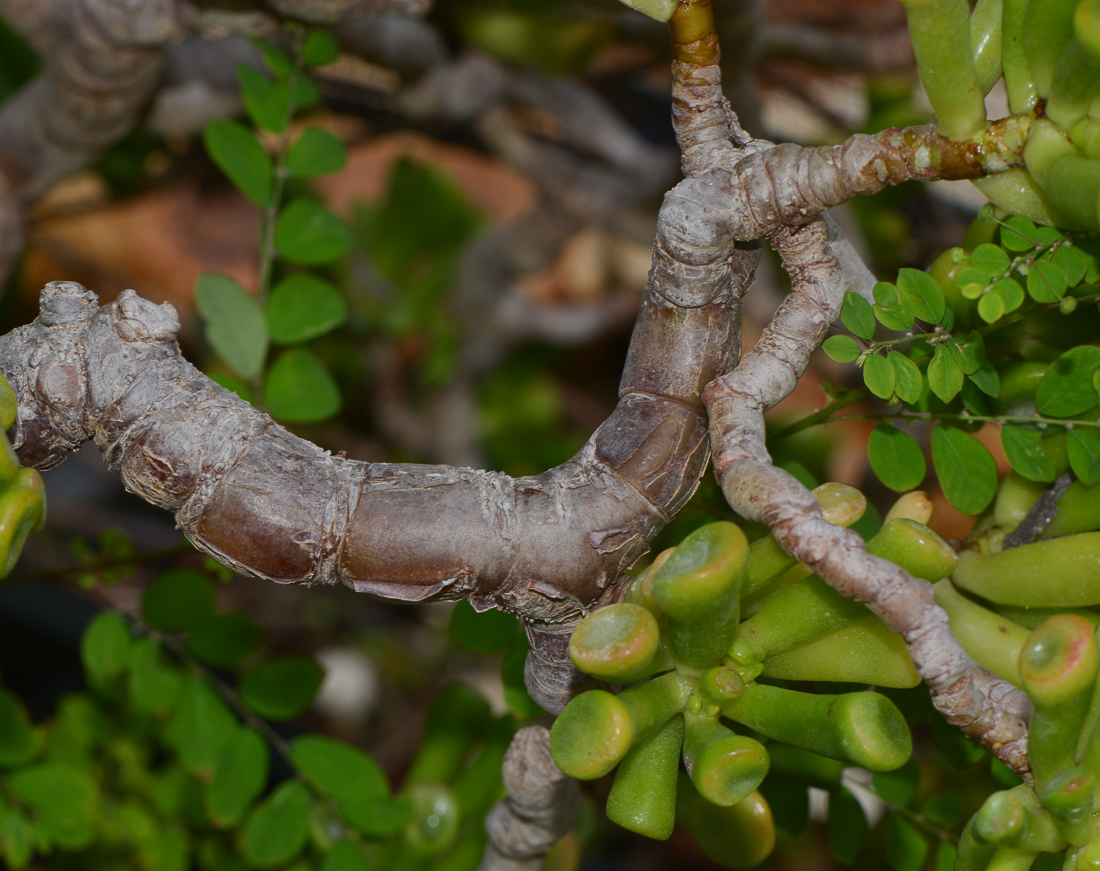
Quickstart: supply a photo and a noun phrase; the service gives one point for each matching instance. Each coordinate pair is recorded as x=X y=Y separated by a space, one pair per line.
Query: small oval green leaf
x=1083 y=451
x=879 y=376
x=896 y=458
x=857 y=316
x=282 y=688
x=105 y=646
x=235 y=324
x=944 y=375
x=310 y=234
x=299 y=388
x=967 y=471
x=315 y=152
x=1067 y=386
x=225 y=640
x=237 y=153
x=239 y=777
x=277 y=830
x=843 y=349
x=303 y=307
x=179 y=599
x=1025 y=453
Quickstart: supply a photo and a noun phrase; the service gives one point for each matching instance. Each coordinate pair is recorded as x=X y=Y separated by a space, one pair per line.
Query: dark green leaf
x=277 y=830
x=239 y=778
x=303 y=91
x=1025 y=453
x=310 y=234
x=17 y=837
x=843 y=349
x=235 y=324
x=1046 y=282
x=972 y=353
x=282 y=688
x=879 y=376
x=200 y=728
x=857 y=315
x=1066 y=388
x=847 y=826
x=179 y=599
x=303 y=307
x=105 y=646
x=945 y=856
x=277 y=60
x=225 y=640
x=908 y=381
x=906 y=847
x=894 y=310
x=990 y=259
x=345 y=856
x=1073 y=262
x=1018 y=234
x=944 y=375
x=967 y=471
x=315 y=152
x=320 y=48
x=17 y=743
x=490 y=631
x=897 y=787
x=299 y=389
x=353 y=780
x=945 y=809
x=237 y=153
x=959 y=751
x=924 y=287
x=267 y=102
x=63 y=799
x=896 y=458
x=1083 y=451
x=154 y=684
x=987 y=380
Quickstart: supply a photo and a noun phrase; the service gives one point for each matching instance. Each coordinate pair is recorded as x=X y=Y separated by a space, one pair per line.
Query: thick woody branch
x=760 y=491
x=541 y=806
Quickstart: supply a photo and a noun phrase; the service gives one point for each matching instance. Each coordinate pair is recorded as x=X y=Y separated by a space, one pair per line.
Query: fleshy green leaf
x=17 y=837
x=906 y=847
x=310 y=234
x=200 y=728
x=1018 y=234
x=990 y=259
x=967 y=471
x=908 y=381
x=847 y=826
x=237 y=153
x=63 y=799
x=105 y=646
x=154 y=683
x=843 y=349
x=277 y=830
x=320 y=48
x=896 y=458
x=488 y=632
x=1025 y=453
x=944 y=375
x=303 y=307
x=1066 y=388
x=235 y=324
x=353 y=780
x=924 y=287
x=1046 y=282
x=178 y=600
x=315 y=152
x=299 y=389
x=1083 y=451
x=879 y=376
x=225 y=640
x=17 y=743
x=267 y=102
x=857 y=316
x=239 y=778
x=282 y=688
